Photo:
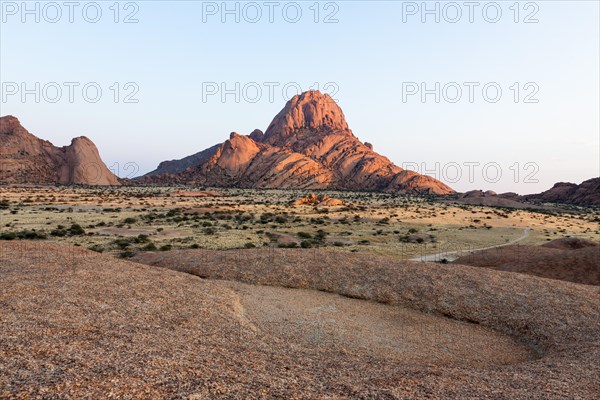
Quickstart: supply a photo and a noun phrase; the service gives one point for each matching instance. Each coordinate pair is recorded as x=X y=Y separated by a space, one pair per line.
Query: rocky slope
x=308 y=145
x=25 y=158
x=585 y=194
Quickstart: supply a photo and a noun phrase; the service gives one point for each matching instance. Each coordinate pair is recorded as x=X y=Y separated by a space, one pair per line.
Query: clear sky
x=375 y=56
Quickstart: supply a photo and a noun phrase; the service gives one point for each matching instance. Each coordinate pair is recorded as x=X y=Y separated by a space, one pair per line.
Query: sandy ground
x=327 y=322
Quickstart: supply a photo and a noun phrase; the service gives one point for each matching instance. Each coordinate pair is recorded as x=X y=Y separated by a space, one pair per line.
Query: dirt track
x=453 y=255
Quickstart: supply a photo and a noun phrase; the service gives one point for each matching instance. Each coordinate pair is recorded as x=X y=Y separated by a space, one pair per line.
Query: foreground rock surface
x=76 y=324
x=567 y=259
x=560 y=320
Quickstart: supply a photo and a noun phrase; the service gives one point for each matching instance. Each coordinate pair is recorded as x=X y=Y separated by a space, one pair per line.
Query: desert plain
x=181 y=292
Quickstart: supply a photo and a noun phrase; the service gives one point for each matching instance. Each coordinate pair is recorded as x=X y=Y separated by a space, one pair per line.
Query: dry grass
x=370 y=222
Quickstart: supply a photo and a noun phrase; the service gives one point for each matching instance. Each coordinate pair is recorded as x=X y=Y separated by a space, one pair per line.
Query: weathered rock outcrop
x=308 y=145
x=319 y=200
x=25 y=158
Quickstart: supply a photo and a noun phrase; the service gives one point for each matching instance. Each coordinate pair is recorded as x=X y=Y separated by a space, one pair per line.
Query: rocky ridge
x=308 y=145
x=25 y=158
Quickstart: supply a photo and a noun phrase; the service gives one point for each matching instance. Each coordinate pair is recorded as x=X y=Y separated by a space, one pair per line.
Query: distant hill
x=585 y=194
x=25 y=158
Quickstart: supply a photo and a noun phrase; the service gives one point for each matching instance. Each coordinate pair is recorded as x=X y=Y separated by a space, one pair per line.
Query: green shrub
x=58 y=232
x=97 y=248
x=321 y=234
x=8 y=236
x=76 y=230
x=141 y=239
x=122 y=243
x=126 y=254
x=306 y=244
x=31 y=235
x=149 y=247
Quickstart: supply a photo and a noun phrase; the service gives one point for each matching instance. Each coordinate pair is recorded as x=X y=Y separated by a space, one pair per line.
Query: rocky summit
x=25 y=158
x=308 y=145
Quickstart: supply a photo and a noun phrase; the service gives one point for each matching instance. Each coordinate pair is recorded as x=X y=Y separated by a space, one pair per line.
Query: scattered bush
x=58 y=232
x=126 y=254
x=149 y=247
x=8 y=236
x=141 y=239
x=97 y=248
x=76 y=230
x=23 y=235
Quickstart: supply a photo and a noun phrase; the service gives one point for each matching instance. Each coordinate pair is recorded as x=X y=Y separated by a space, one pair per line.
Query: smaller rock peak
x=563 y=184
x=81 y=139
x=256 y=135
x=10 y=118
x=9 y=124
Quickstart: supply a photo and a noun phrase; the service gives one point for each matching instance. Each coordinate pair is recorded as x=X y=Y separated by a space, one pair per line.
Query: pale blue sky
x=369 y=53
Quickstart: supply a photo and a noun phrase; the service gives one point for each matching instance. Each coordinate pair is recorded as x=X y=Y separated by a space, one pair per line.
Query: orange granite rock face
x=308 y=145
x=25 y=158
